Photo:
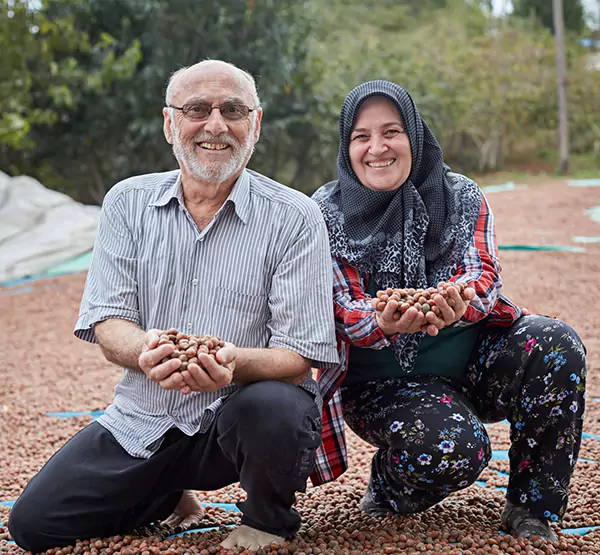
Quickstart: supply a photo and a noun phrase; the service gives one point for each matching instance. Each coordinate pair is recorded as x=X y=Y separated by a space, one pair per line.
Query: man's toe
x=190 y=523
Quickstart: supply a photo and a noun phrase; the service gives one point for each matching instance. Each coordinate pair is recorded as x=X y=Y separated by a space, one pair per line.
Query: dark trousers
x=264 y=436
x=430 y=430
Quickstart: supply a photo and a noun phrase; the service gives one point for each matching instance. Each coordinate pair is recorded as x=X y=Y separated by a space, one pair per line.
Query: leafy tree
x=115 y=131
x=43 y=77
x=542 y=11
x=82 y=82
x=487 y=87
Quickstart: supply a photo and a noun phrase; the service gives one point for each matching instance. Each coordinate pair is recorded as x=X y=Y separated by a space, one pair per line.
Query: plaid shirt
x=356 y=325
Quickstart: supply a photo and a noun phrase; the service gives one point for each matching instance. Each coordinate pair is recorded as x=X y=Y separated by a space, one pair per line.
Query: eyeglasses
x=200 y=111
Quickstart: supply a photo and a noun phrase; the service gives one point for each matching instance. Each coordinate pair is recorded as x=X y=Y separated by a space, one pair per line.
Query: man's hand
x=166 y=374
x=210 y=375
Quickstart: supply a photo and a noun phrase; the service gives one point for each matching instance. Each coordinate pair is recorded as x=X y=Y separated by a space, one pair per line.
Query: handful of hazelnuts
x=188 y=347
x=421 y=299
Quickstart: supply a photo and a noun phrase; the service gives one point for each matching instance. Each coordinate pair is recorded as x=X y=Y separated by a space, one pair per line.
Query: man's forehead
x=213 y=86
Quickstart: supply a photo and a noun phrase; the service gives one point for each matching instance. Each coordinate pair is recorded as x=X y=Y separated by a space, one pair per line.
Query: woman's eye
x=392 y=132
x=360 y=137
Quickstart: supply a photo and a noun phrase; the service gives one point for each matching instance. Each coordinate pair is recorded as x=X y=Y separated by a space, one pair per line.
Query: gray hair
x=245 y=80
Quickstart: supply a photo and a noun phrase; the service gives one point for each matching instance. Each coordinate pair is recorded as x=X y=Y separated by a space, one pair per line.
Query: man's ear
x=167 y=126
x=259 y=115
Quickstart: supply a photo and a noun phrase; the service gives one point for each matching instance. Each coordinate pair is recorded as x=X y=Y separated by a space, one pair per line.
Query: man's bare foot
x=250 y=538
x=187 y=515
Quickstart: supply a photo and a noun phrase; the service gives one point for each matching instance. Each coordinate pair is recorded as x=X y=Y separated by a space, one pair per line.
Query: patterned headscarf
x=414 y=236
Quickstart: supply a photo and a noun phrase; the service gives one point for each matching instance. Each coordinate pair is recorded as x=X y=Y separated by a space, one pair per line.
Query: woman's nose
x=377 y=146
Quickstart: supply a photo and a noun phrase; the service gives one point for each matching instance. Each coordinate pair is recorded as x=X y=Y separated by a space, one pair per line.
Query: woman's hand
x=452 y=307
x=410 y=322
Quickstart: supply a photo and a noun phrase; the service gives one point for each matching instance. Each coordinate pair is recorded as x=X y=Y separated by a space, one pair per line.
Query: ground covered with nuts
x=45 y=369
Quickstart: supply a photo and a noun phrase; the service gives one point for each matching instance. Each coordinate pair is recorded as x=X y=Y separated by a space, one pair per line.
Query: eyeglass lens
x=230 y=111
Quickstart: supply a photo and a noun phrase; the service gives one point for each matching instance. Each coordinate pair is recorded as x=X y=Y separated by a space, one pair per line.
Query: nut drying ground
x=44 y=368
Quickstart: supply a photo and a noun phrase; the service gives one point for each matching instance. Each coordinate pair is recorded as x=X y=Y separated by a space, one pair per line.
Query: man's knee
x=274 y=424
x=24 y=525
x=270 y=407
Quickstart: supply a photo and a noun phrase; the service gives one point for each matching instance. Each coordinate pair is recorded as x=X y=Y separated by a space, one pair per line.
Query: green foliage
x=48 y=65
x=113 y=125
x=82 y=82
x=542 y=11
x=487 y=87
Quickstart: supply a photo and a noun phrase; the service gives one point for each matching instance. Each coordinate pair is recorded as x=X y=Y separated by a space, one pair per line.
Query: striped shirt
x=259 y=275
x=356 y=325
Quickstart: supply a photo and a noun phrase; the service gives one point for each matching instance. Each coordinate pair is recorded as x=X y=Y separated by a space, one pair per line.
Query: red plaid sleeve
x=480 y=269
x=354 y=316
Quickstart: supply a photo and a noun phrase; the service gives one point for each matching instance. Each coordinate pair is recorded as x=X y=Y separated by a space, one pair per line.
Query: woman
x=419 y=388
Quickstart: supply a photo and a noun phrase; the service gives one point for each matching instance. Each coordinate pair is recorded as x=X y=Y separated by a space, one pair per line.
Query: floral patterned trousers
x=430 y=433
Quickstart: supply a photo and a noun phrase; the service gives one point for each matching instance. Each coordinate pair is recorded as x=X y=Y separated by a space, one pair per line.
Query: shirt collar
x=174 y=191
x=239 y=196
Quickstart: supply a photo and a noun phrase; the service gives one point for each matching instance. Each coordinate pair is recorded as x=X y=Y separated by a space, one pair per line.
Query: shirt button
x=189 y=326
x=194 y=281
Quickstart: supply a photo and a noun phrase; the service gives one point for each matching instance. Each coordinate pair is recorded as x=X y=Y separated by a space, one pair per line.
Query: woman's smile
x=379 y=150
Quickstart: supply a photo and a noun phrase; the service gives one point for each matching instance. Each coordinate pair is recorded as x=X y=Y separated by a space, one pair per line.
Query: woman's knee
x=449 y=465
x=453 y=461
x=556 y=332
x=562 y=354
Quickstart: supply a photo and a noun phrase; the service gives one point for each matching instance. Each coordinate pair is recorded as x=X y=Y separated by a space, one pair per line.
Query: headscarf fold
x=414 y=236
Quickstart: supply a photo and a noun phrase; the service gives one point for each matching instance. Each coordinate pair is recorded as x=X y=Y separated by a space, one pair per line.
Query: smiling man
x=210 y=249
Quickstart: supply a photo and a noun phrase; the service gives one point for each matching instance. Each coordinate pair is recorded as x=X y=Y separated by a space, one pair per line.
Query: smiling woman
x=379 y=150
x=419 y=386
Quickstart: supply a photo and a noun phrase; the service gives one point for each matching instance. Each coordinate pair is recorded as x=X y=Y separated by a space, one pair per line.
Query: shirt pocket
x=244 y=315
x=240 y=299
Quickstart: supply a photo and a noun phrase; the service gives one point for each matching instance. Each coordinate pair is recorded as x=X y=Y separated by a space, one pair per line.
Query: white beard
x=216 y=172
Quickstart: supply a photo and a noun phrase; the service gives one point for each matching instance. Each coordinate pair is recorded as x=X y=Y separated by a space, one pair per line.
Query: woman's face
x=379 y=149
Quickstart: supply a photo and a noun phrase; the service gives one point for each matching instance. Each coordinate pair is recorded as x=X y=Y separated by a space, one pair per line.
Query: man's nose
x=215 y=124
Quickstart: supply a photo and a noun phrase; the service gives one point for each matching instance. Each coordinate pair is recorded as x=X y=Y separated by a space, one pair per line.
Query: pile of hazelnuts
x=421 y=299
x=188 y=347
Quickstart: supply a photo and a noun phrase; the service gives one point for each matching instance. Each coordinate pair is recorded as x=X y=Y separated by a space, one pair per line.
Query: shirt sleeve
x=480 y=268
x=300 y=299
x=111 y=288
x=355 y=320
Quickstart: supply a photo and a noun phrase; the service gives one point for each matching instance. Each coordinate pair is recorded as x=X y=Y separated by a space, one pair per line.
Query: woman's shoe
x=372 y=506
x=525 y=524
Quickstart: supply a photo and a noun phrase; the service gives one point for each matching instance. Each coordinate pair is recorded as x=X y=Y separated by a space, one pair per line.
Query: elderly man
x=210 y=249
